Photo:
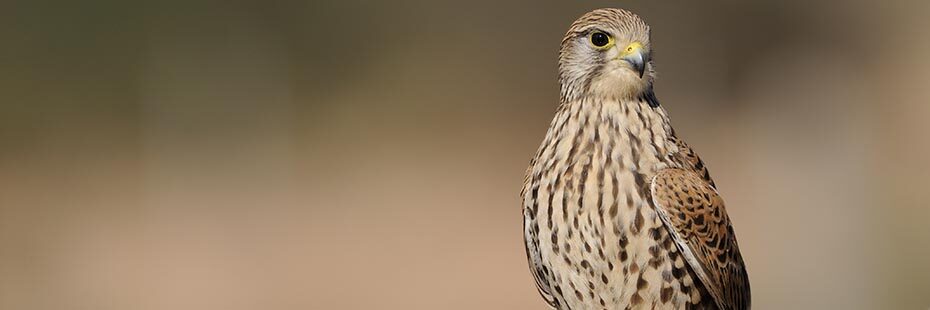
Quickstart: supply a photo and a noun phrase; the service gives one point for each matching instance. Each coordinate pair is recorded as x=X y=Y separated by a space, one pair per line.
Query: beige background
x=361 y=155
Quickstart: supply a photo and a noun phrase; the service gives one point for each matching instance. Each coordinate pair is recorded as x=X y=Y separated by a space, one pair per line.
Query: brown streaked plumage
x=618 y=212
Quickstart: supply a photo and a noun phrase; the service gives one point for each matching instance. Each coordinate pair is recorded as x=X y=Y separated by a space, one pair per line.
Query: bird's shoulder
x=688 y=159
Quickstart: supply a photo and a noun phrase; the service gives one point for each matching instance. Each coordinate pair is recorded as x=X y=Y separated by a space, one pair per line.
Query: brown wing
x=697 y=220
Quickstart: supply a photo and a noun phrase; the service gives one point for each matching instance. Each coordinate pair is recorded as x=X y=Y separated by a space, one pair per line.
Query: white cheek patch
x=617 y=81
x=613 y=53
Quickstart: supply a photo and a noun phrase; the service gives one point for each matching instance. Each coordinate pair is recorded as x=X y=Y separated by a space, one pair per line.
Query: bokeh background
x=369 y=155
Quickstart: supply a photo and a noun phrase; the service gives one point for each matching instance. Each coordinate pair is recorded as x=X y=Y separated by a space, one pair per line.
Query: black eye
x=600 y=39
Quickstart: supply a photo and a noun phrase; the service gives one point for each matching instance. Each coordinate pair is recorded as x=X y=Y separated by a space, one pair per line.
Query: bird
x=620 y=213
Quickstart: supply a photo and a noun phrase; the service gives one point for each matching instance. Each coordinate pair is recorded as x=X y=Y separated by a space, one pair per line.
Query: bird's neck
x=617 y=87
x=635 y=129
x=638 y=114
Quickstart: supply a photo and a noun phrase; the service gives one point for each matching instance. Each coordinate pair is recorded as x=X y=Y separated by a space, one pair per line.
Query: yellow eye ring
x=601 y=40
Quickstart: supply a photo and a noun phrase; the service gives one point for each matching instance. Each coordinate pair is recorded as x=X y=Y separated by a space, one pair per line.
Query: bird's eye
x=600 y=39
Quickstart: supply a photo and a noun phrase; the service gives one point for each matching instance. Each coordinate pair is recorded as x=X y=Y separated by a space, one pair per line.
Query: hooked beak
x=637 y=58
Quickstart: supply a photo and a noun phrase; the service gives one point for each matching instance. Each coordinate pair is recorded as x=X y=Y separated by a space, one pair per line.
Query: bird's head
x=606 y=53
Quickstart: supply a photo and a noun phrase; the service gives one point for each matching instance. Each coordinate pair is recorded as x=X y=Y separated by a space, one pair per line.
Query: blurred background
x=369 y=155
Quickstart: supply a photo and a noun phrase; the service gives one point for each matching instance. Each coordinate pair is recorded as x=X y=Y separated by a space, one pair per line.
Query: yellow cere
x=633 y=47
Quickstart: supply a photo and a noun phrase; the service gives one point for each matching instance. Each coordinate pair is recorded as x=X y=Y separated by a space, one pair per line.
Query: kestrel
x=618 y=211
